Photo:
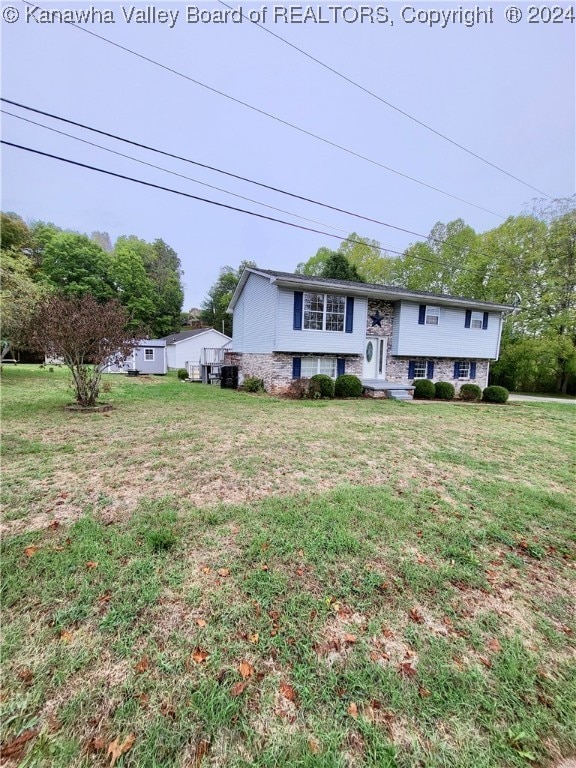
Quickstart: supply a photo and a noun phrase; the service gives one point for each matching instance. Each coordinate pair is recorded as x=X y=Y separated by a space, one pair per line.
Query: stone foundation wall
x=276 y=369
x=397 y=370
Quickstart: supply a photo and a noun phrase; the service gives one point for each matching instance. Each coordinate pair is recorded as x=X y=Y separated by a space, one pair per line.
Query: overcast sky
x=506 y=91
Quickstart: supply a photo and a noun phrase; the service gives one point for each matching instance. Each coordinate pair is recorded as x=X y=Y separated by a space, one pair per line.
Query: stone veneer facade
x=275 y=369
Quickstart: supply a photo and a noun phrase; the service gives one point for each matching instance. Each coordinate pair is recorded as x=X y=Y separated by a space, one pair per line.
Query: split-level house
x=288 y=326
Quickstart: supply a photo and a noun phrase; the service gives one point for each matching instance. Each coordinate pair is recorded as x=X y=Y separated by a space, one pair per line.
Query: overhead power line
x=221 y=171
x=216 y=203
x=172 y=173
x=384 y=101
x=280 y=120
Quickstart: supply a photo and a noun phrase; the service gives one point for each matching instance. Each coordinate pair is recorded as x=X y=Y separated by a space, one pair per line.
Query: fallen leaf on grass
x=406 y=669
x=105 y=598
x=201 y=622
x=494 y=645
x=246 y=670
x=238 y=689
x=263 y=567
x=350 y=638
x=387 y=633
x=199 y=656
x=287 y=691
x=143 y=664
x=313 y=746
x=26 y=675
x=116 y=750
x=15 y=749
x=424 y=692
x=254 y=638
x=97 y=744
x=91 y=564
x=66 y=636
x=144 y=699
x=206 y=569
x=487 y=663
x=54 y=524
x=416 y=616
x=31 y=550
x=224 y=572
x=200 y=752
x=353 y=710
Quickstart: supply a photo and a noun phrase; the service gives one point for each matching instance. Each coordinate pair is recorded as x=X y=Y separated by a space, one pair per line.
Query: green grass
x=397 y=579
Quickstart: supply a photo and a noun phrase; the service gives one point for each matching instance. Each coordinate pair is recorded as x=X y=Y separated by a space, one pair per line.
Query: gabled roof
x=352 y=288
x=175 y=338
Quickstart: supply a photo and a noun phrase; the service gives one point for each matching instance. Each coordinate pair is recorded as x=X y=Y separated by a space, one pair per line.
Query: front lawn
x=203 y=577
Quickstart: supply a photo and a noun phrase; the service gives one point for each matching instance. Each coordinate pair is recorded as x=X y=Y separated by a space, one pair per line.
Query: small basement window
x=313 y=365
x=464 y=369
x=149 y=354
x=432 y=315
x=419 y=369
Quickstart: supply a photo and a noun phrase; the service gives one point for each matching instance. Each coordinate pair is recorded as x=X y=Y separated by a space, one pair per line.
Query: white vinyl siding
x=255 y=314
x=450 y=338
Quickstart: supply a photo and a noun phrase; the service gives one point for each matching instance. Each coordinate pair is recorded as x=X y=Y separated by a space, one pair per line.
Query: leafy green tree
x=135 y=289
x=363 y=254
x=338 y=267
x=164 y=270
x=76 y=266
x=213 y=310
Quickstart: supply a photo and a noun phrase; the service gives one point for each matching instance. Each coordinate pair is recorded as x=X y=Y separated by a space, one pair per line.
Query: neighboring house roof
x=389 y=292
x=152 y=343
x=176 y=338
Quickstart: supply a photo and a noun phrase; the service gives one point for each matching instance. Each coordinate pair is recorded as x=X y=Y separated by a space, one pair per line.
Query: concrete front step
x=399 y=394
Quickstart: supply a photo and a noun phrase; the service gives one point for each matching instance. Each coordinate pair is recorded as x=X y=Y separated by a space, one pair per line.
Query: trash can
x=229 y=377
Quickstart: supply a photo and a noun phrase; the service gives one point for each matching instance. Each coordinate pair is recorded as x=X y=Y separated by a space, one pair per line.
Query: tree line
x=528 y=261
x=41 y=258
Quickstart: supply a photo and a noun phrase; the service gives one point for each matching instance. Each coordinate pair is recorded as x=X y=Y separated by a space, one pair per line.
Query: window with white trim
x=477 y=320
x=464 y=369
x=432 y=315
x=312 y=365
x=324 y=312
x=419 y=369
x=149 y=354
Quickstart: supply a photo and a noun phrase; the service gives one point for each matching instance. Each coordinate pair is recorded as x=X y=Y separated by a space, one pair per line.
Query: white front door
x=374 y=365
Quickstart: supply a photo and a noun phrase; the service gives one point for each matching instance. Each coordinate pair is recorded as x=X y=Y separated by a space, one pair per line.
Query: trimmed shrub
x=182 y=374
x=323 y=384
x=297 y=389
x=495 y=394
x=424 y=389
x=253 y=384
x=444 y=390
x=470 y=392
x=348 y=385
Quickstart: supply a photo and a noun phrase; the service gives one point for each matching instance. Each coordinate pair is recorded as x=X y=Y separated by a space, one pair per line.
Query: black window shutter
x=349 y=314
x=473 y=370
x=430 y=369
x=340 y=366
x=411 y=369
x=298 y=296
x=468 y=319
x=457 y=370
x=296 y=367
x=422 y=314
x=485 y=321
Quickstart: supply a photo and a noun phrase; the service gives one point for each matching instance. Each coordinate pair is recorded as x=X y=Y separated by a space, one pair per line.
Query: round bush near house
x=444 y=390
x=470 y=392
x=182 y=374
x=495 y=395
x=253 y=384
x=424 y=389
x=323 y=384
x=348 y=385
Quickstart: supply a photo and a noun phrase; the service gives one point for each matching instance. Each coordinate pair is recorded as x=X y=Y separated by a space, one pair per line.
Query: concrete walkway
x=537 y=399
